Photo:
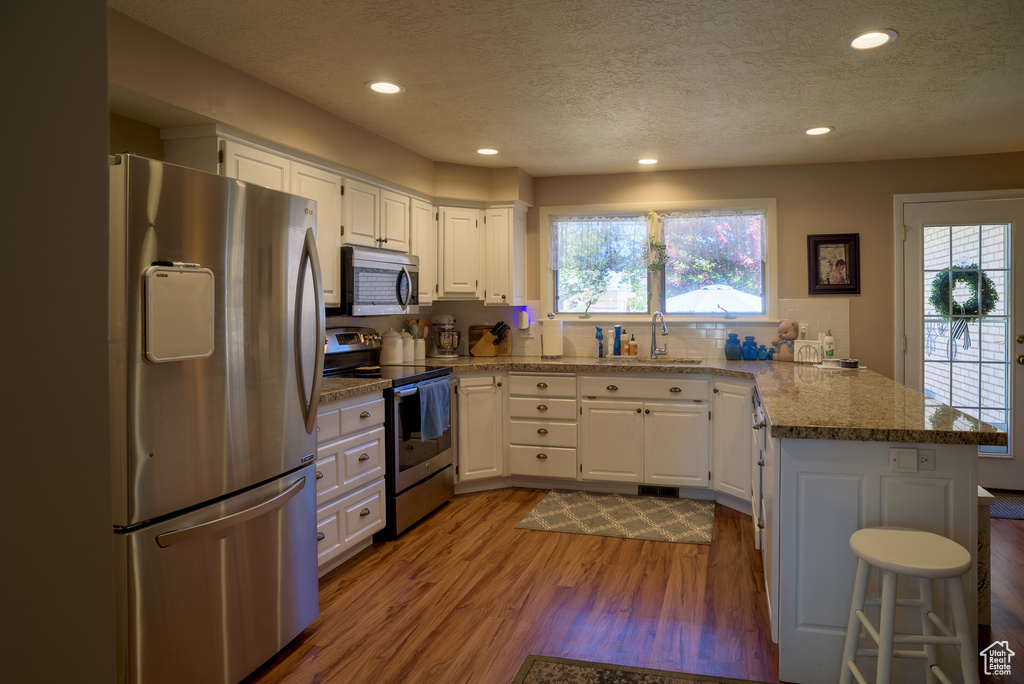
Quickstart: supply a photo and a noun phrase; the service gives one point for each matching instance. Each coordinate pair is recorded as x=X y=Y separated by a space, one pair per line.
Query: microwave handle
x=408 y=279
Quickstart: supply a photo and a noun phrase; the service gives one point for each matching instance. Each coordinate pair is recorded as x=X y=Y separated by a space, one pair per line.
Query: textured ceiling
x=590 y=86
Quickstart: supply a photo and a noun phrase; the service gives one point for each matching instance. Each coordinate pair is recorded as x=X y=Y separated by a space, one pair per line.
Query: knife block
x=476 y=333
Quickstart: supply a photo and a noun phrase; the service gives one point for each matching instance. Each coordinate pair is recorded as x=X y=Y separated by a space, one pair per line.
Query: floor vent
x=649 y=490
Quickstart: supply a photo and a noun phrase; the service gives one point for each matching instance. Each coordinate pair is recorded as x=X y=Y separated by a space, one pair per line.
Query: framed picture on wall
x=833 y=264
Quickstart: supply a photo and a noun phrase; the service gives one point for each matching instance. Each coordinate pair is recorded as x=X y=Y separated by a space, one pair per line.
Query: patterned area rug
x=545 y=670
x=1008 y=504
x=619 y=515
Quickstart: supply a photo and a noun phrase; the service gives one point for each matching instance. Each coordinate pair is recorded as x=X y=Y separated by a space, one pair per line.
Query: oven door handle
x=400 y=393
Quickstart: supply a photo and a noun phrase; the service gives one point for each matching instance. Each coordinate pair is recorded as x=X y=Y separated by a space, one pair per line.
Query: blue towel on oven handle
x=434 y=414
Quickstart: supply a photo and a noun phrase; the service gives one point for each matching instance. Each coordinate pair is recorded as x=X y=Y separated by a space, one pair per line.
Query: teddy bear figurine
x=788 y=331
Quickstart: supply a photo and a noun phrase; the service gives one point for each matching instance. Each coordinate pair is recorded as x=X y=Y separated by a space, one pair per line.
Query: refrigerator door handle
x=177 y=536
x=310 y=257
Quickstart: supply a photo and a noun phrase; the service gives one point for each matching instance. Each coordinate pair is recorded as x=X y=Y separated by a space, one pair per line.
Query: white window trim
x=547 y=284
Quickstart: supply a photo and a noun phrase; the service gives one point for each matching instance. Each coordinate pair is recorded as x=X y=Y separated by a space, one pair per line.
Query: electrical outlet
x=803 y=331
x=926 y=459
x=902 y=460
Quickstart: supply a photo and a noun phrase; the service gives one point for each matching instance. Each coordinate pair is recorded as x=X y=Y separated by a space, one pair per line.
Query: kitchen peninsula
x=837 y=451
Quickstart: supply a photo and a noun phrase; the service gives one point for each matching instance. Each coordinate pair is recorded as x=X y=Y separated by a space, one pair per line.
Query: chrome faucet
x=655 y=352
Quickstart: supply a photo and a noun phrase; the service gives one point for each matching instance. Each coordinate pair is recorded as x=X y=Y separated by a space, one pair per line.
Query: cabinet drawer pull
x=542 y=431
x=319 y=475
x=542 y=456
x=542 y=407
x=364 y=414
x=612 y=388
x=364 y=457
x=319 y=536
x=674 y=389
x=542 y=385
x=761 y=463
x=365 y=512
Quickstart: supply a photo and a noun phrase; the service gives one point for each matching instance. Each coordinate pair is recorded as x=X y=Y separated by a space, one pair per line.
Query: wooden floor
x=465 y=597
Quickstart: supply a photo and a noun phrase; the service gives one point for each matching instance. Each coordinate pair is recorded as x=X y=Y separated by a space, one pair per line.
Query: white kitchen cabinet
x=542 y=425
x=459 y=254
x=325 y=187
x=255 y=165
x=361 y=214
x=481 y=440
x=676 y=444
x=612 y=440
x=731 y=443
x=423 y=245
x=505 y=255
x=394 y=220
x=349 y=477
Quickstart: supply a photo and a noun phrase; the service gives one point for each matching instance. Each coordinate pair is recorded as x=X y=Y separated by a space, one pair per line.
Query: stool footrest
x=856 y=672
x=897 y=653
x=940 y=624
x=910 y=603
x=940 y=675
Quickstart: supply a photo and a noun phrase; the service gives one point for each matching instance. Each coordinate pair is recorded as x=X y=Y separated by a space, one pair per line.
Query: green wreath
x=971 y=310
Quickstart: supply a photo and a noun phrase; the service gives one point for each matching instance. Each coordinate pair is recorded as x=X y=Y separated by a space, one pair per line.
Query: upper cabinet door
x=324 y=187
x=459 y=266
x=498 y=259
x=360 y=213
x=253 y=165
x=423 y=230
x=394 y=222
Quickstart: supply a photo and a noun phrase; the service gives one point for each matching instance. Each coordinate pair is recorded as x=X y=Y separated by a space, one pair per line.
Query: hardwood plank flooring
x=464 y=597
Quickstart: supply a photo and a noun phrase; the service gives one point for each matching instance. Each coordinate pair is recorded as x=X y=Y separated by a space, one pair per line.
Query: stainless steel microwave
x=378 y=282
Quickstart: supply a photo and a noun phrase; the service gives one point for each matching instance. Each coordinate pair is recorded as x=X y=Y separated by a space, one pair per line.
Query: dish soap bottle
x=632 y=345
x=830 y=346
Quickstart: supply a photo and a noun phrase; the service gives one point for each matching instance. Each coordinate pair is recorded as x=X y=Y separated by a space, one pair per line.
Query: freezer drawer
x=210 y=595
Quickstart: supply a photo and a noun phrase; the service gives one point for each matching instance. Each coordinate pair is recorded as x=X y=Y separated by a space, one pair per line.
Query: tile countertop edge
x=793 y=396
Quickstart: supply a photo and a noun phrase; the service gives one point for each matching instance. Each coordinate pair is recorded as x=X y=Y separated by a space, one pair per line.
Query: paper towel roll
x=551 y=338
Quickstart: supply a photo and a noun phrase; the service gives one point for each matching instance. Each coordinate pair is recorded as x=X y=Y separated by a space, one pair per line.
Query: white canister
x=421 y=349
x=390 y=348
x=408 y=347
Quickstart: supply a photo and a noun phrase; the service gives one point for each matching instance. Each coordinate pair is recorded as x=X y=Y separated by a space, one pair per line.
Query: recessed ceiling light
x=648 y=161
x=873 y=39
x=819 y=130
x=486 y=150
x=385 y=87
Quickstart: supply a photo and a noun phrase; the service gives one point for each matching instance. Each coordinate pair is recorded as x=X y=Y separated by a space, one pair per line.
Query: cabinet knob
x=542 y=456
x=760 y=524
x=759 y=425
x=638 y=410
x=674 y=389
x=319 y=536
x=499 y=383
x=364 y=457
x=761 y=462
x=647 y=410
x=1020 y=339
x=612 y=388
x=715 y=390
x=502 y=296
x=542 y=385
x=319 y=475
x=364 y=414
x=542 y=407
x=1020 y=359
x=365 y=512
x=542 y=431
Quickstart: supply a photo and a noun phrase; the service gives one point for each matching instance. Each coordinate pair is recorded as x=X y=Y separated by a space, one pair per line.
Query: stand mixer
x=446 y=337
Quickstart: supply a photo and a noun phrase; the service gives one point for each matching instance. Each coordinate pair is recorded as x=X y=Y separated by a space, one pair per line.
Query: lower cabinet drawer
x=543 y=408
x=345 y=522
x=542 y=461
x=649 y=388
x=542 y=433
x=348 y=463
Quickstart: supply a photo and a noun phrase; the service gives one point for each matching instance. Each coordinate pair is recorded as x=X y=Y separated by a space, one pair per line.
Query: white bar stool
x=913 y=553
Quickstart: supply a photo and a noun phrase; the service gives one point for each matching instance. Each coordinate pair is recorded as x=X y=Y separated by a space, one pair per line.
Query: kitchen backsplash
x=691 y=340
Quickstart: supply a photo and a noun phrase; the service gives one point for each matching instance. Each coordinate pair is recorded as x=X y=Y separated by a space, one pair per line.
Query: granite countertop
x=801 y=401
x=336 y=389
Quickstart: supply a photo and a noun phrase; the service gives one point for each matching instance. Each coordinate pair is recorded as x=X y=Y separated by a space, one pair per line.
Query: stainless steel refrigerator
x=216 y=334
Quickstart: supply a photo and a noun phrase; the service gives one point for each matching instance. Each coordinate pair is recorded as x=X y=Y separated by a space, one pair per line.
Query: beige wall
x=129 y=135
x=57 y=572
x=812 y=199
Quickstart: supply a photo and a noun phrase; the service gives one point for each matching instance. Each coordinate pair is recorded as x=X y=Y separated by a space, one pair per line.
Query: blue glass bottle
x=732 y=348
x=762 y=353
x=749 y=348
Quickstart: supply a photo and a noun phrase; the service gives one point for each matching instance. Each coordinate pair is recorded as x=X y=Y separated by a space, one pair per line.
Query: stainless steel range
x=419 y=420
